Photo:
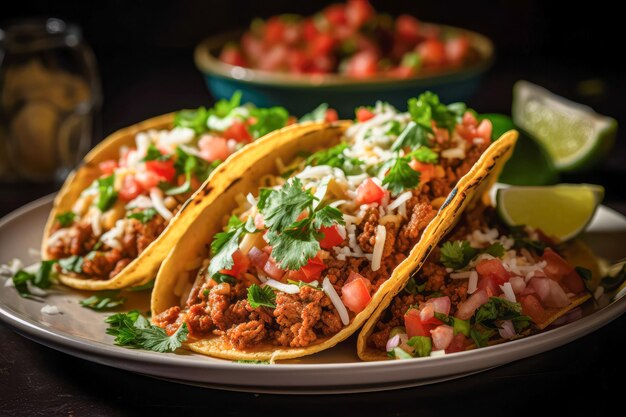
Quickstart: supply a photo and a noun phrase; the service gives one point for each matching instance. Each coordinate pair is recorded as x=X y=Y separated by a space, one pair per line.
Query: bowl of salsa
x=346 y=54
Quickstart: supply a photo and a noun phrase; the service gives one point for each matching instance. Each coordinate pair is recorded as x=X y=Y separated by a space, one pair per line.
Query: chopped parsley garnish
x=267 y=120
x=317 y=115
x=261 y=296
x=500 y=309
x=72 y=264
x=422 y=345
x=106 y=193
x=154 y=154
x=294 y=241
x=401 y=176
x=41 y=278
x=66 y=219
x=103 y=300
x=336 y=158
x=134 y=331
x=143 y=216
x=458 y=254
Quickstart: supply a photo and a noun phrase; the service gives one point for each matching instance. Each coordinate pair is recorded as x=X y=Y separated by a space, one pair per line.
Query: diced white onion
x=402 y=198
x=112 y=237
x=34 y=289
x=10 y=269
x=143 y=142
x=50 y=310
x=286 y=288
x=156 y=195
x=177 y=136
x=141 y=202
x=507 y=330
x=392 y=343
x=334 y=298
x=251 y=199
x=507 y=289
x=379 y=246
x=472 y=285
x=319 y=171
x=191 y=150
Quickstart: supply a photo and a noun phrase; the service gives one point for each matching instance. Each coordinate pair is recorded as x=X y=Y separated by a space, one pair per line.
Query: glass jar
x=49 y=100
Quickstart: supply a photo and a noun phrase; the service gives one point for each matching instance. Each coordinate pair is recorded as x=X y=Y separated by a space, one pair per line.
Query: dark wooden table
x=583 y=377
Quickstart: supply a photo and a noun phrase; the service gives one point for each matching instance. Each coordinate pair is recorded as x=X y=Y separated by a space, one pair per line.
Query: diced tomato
x=274 y=30
x=331 y=238
x=402 y=72
x=164 y=169
x=313 y=269
x=107 y=167
x=532 y=307
x=252 y=46
x=433 y=52
x=408 y=28
x=469 y=119
x=147 y=179
x=258 y=257
x=363 y=114
x=130 y=188
x=240 y=264
x=238 y=131
x=442 y=337
x=369 y=192
x=427 y=315
x=573 y=283
x=556 y=267
x=352 y=276
x=274 y=59
x=355 y=295
x=358 y=12
x=323 y=44
x=213 y=148
x=456 y=49
x=493 y=268
x=414 y=325
x=336 y=14
x=458 y=344
x=470 y=129
x=233 y=56
x=296 y=275
x=490 y=285
x=427 y=171
x=272 y=269
x=331 y=115
x=299 y=62
x=362 y=65
x=309 y=30
x=484 y=129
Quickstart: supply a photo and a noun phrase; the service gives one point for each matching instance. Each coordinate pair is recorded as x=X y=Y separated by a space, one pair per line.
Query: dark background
x=144 y=51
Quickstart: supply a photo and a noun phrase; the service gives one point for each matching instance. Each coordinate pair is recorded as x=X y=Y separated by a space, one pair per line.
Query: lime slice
x=530 y=163
x=562 y=210
x=574 y=135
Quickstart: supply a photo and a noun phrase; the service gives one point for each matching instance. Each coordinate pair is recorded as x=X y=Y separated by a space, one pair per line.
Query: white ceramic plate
x=80 y=332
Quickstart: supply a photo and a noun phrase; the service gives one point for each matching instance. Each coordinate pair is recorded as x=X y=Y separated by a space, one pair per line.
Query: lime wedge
x=562 y=210
x=530 y=163
x=574 y=135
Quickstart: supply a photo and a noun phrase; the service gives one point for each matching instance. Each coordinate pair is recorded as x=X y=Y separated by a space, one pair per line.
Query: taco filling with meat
x=136 y=194
x=485 y=284
x=308 y=251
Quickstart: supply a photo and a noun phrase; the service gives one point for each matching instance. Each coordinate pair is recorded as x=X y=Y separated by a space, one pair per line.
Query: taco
x=303 y=236
x=486 y=283
x=111 y=223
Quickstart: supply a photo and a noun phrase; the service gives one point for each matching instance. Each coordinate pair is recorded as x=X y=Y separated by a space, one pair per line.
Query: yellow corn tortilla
x=145 y=266
x=242 y=175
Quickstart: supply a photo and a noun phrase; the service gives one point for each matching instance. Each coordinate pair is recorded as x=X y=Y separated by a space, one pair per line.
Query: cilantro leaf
x=412 y=287
x=20 y=282
x=327 y=216
x=412 y=136
x=422 y=345
x=401 y=176
x=316 y=115
x=335 y=157
x=72 y=264
x=154 y=154
x=268 y=120
x=220 y=278
x=190 y=166
x=424 y=154
x=233 y=222
x=143 y=216
x=134 y=331
x=41 y=278
x=103 y=300
x=261 y=296
x=106 y=193
x=294 y=247
x=193 y=119
x=280 y=208
x=458 y=254
x=224 y=106
x=66 y=219
x=145 y=287
x=500 y=309
x=481 y=337
x=495 y=249
x=223 y=246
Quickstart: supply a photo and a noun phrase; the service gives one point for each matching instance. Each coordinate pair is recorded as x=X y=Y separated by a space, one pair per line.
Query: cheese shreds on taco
x=486 y=283
x=300 y=245
x=113 y=220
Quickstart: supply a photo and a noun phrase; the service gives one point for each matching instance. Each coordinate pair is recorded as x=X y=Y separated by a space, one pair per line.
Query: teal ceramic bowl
x=301 y=93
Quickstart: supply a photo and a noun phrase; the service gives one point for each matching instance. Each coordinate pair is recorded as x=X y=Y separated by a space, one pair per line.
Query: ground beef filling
x=106 y=262
x=302 y=319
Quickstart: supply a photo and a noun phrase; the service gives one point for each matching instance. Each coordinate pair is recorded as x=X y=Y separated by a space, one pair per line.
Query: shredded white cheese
x=507 y=289
x=472 y=284
x=402 y=198
x=156 y=195
x=334 y=298
x=50 y=310
x=286 y=288
x=379 y=246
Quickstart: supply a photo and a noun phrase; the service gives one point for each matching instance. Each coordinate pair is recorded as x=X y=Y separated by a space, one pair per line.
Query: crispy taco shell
x=241 y=175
